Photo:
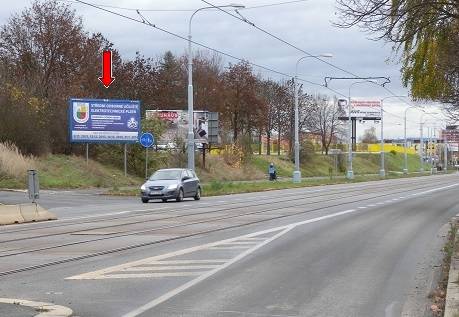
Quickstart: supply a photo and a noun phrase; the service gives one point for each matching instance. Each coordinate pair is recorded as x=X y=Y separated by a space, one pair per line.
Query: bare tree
x=369 y=136
x=425 y=32
x=324 y=120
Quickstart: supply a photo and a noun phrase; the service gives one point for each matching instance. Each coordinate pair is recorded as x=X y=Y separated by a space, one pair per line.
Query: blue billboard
x=104 y=121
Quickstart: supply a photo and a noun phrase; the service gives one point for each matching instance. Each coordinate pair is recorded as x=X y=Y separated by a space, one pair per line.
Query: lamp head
x=237 y=5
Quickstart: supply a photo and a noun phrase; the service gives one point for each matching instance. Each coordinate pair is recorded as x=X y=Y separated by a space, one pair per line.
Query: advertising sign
x=104 y=121
x=363 y=109
x=451 y=136
x=177 y=124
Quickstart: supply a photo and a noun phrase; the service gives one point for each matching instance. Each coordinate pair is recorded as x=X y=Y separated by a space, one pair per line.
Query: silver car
x=173 y=183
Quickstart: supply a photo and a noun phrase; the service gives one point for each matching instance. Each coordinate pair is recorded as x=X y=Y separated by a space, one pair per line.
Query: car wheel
x=145 y=200
x=198 y=194
x=180 y=195
x=164 y=200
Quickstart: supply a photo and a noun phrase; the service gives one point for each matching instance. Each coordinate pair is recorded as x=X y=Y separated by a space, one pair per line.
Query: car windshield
x=166 y=174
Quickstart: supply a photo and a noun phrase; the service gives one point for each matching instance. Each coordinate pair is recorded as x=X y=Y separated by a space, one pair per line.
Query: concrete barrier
x=21 y=213
x=10 y=214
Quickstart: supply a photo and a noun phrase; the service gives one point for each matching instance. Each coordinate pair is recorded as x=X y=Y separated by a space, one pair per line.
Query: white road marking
x=111 y=214
x=171 y=268
x=362 y=207
x=151 y=275
x=189 y=261
x=242 y=242
x=204 y=276
x=221 y=201
x=283 y=230
x=229 y=247
x=158 y=259
x=371 y=205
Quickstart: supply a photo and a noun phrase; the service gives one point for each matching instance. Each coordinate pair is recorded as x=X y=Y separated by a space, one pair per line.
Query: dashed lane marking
x=265 y=236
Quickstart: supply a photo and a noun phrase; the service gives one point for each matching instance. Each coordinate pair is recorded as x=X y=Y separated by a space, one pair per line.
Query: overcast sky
x=307 y=24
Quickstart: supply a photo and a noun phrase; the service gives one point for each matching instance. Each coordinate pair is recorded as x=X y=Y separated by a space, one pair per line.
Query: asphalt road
x=365 y=249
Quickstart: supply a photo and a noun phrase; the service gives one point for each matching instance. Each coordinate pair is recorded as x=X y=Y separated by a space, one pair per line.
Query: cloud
x=306 y=24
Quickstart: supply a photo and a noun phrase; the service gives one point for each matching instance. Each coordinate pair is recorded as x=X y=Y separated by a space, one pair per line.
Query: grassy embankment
x=59 y=171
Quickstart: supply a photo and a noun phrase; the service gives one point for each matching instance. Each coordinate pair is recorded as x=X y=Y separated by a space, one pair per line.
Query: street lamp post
x=190 y=137
x=382 y=171
x=297 y=171
x=405 y=167
x=421 y=140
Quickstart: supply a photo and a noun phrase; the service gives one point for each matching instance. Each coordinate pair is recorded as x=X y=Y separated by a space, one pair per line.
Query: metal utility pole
x=445 y=145
x=382 y=171
x=421 y=143
x=421 y=147
x=190 y=138
x=297 y=171
x=405 y=166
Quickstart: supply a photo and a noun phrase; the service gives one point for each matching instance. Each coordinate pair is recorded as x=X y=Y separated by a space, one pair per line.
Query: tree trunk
x=278 y=143
x=259 y=143
x=268 y=143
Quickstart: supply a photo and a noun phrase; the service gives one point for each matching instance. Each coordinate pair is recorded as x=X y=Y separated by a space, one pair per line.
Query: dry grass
x=13 y=163
x=218 y=169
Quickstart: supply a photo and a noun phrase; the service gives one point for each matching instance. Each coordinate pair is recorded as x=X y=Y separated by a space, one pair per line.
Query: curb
x=44 y=309
x=452 y=290
x=13 y=190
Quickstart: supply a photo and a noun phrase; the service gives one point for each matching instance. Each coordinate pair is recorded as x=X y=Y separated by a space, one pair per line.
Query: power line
x=273 y=4
x=243 y=19
x=186 y=10
x=147 y=23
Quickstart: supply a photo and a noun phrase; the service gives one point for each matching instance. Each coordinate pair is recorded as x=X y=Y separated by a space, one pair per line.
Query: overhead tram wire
x=144 y=21
x=243 y=19
x=187 y=10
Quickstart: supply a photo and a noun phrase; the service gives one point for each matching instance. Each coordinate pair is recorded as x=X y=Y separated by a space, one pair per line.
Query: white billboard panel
x=177 y=124
x=364 y=109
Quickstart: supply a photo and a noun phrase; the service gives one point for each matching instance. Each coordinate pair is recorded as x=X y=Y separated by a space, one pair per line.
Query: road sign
x=147 y=139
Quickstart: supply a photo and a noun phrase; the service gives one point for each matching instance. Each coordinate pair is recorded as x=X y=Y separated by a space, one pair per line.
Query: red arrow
x=107 y=78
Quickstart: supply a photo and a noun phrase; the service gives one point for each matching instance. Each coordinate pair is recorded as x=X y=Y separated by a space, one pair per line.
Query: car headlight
x=143 y=187
x=173 y=186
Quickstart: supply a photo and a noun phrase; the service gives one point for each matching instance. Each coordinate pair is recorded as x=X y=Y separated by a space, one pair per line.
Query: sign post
x=147 y=140
x=33 y=185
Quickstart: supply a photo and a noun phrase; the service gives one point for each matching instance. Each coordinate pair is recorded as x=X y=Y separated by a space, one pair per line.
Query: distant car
x=173 y=183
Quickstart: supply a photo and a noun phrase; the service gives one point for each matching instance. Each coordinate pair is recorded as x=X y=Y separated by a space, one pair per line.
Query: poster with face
x=177 y=125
